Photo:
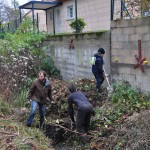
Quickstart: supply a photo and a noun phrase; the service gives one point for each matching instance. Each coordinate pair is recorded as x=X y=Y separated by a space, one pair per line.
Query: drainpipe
x=122 y=8
x=112 y=9
x=37 y=21
x=141 y=10
x=76 y=17
x=46 y=21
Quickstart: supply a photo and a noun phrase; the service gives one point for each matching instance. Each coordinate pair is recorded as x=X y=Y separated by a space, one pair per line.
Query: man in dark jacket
x=39 y=92
x=97 y=68
x=84 y=109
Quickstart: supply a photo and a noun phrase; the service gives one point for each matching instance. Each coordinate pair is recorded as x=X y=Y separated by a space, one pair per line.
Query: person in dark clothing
x=97 y=68
x=84 y=109
x=40 y=92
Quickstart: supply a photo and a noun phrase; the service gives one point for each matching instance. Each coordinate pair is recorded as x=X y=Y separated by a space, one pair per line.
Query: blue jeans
x=42 y=111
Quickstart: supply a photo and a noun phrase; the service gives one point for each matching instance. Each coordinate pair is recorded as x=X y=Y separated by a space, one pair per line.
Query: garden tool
x=109 y=88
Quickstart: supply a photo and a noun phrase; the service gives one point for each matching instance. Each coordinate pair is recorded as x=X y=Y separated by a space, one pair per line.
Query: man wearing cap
x=97 y=68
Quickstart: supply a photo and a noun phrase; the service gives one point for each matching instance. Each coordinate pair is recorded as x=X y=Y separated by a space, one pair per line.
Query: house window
x=70 y=12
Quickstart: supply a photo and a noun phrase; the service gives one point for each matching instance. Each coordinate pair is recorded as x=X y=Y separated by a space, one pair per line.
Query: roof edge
x=39 y=2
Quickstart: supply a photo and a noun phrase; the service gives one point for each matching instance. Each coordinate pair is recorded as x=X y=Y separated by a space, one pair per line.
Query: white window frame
x=70 y=15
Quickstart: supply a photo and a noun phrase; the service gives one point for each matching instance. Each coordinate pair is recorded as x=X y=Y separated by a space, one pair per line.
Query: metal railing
x=129 y=9
x=9 y=26
x=12 y=26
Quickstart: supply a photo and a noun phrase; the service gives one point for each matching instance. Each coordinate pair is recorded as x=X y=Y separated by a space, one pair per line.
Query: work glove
x=27 y=102
x=73 y=125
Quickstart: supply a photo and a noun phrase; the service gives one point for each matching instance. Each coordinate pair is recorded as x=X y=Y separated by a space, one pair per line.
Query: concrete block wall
x=75 y=63
x=124 y=46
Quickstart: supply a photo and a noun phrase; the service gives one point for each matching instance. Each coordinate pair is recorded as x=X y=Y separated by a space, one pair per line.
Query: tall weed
x=5 y=107
x=20 y=99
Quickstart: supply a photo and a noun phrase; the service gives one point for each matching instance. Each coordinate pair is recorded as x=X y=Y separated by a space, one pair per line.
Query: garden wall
x=72 y=53
x=124 y=46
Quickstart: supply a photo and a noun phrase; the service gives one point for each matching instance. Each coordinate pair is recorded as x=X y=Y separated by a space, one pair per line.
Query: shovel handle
x=106 y=78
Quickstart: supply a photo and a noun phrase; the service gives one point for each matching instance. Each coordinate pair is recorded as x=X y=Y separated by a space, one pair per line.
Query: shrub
x=81 y=24
x=48 y=65
x=21 y=57
x=129 y=99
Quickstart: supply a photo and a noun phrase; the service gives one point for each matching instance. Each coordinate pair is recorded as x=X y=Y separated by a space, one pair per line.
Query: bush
x=129 y=99
x=81 y=24
x=47 y=64
x=21 y=58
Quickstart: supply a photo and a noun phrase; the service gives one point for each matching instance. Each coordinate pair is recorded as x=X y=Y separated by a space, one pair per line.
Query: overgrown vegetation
x=110 y=126
x=21 y=58
x=129 y=98
x=17 y=136
x=48 y=65
x=124 y=101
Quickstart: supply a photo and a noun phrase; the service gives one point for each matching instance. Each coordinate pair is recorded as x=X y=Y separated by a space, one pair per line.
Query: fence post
x=123 y=3
x=20 y=15
x=8 y=25
x=122 y=8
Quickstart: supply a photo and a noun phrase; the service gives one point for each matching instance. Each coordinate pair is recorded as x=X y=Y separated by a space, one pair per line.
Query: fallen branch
x=6 y=136
x=8 y=133
x=66 y=129
x=27 y=139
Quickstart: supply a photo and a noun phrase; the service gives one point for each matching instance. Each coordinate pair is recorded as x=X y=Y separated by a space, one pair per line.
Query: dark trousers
x=99 y=80
x=84 y=114
x=42 y=111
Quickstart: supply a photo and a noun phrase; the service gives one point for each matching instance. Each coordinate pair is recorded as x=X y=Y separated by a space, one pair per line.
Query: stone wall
x=124 y=46
x=74 y=63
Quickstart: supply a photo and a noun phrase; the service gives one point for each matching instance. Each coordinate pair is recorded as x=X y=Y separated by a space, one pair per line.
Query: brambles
x=21 y=57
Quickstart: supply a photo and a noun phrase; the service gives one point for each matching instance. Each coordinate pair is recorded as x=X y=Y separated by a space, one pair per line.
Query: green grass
x=20 y=99
x=23 y=138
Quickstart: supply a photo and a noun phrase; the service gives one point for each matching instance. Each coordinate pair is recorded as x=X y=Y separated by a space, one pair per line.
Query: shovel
x=109 y=88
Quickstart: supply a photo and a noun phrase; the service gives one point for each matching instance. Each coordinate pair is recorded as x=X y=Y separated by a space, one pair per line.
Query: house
x=56 y=19
x=40 y=14
x=96 y=13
